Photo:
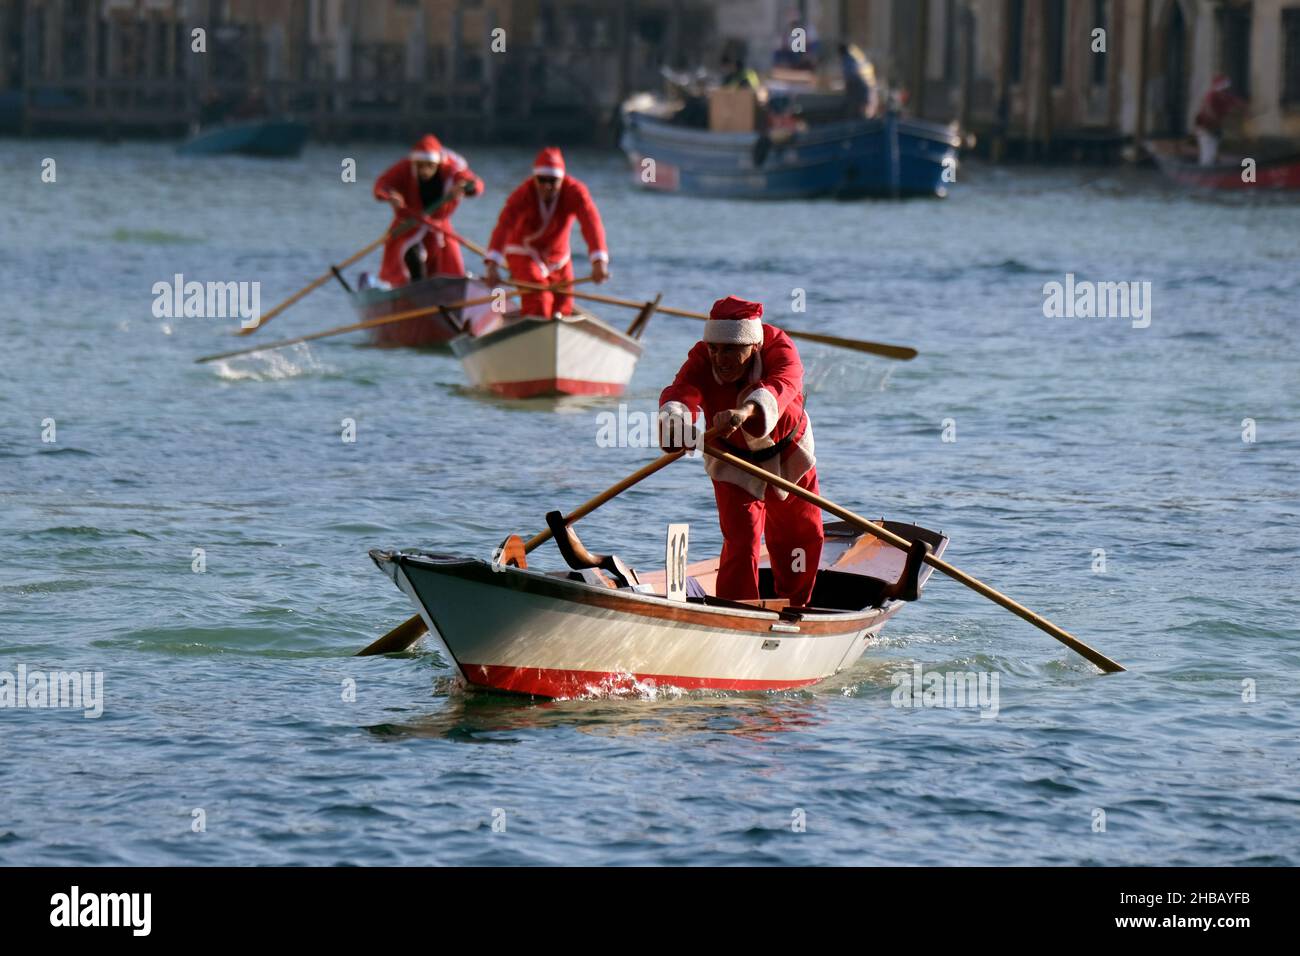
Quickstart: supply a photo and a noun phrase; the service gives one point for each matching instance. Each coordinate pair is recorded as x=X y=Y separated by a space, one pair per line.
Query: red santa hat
x=428 y=150
x=734 y=321
x=1220 y=82
x=549 y=162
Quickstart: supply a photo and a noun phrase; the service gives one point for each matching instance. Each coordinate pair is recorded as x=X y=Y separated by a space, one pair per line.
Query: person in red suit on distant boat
x=531 y=237
x=1218 y=104
x=430 y=175
x=747 y=378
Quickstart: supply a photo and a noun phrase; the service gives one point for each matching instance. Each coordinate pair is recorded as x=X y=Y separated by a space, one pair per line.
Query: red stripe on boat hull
x=548 y=682
x=555 y=386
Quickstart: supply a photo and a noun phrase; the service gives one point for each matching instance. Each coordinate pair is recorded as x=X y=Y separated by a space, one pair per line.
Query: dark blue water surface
x=223 y=690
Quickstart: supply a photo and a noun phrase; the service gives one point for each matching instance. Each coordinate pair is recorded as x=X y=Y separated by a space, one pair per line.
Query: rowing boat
x=600 y=629
x=435 y=330
x=275 y=137
x=890 y=156
x=1274 y=168
x=529 y=357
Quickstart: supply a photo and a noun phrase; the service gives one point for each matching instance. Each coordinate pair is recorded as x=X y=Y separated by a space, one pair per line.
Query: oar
x=1040 y=622
x=408 y=632
x=372 y=323
x=457 y=237
x=901 y=352
x=361 y=254
x=354 y=327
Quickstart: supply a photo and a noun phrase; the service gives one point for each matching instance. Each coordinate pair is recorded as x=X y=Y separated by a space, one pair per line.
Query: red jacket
x=774 y=384
x=525 y=228
x=400 y=178
x=1215 y=108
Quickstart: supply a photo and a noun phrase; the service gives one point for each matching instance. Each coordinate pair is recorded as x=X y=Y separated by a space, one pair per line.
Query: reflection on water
x=472 y=715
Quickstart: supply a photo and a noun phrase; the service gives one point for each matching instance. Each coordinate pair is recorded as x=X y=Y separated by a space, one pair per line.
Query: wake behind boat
x=607 y=630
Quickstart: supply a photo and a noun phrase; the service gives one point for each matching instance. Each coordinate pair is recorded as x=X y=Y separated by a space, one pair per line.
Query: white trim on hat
x=555 y=171
x=428 y=157
x=734 y=331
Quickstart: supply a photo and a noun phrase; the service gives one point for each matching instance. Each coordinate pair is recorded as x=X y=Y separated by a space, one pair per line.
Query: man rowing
x=531 y=237
x=1218 y=104
x=746 y=377
x=427 y=184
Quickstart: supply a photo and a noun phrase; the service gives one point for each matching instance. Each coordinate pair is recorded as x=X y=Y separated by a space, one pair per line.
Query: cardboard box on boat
x=733 y=110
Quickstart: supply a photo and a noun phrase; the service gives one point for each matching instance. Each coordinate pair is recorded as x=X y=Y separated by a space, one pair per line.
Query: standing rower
x=531 y=237
x=430 y=176
x=747 y=377
x=1217 y=105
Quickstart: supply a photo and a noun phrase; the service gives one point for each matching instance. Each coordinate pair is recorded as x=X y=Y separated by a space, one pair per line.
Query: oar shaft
x=355 y=327
x=1040 y=622
x=409 y=631
x=457 y=237
x=901 y=352
x=406 y=225
x=582 y=511
x=312 y=286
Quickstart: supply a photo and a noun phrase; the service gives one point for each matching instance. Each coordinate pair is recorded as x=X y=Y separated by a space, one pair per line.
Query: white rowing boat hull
x=548 y=635
x=531 y=357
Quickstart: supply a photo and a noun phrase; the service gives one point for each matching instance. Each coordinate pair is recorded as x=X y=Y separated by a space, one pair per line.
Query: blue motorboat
x=887 y=156
x=257 y=137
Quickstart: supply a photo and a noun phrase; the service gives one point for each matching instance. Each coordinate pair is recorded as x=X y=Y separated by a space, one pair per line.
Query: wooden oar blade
x=902 y=353
x=398 y=639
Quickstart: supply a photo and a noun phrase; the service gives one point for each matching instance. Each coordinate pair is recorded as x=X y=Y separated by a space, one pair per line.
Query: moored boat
x=605 y=630
x=529 y=357
x=273 y=138
x=1273 y=170
x=427 y=331
x=888 y=156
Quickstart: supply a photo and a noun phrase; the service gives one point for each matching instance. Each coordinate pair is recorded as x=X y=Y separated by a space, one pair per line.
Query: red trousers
x=440 y=258
x=792 y=528
x=545 y=304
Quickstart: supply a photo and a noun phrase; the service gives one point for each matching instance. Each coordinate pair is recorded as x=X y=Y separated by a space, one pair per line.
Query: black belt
x=765 y=454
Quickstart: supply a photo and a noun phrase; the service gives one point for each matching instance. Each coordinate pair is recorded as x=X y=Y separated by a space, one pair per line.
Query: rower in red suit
x=428 y=175
x=747 y=377
x=1218 y=104
x=532 y=234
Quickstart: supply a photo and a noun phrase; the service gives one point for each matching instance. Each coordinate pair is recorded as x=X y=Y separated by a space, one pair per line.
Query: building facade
x=1028 y=77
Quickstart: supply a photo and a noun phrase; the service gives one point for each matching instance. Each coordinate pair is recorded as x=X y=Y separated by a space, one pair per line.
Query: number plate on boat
x=675 y=586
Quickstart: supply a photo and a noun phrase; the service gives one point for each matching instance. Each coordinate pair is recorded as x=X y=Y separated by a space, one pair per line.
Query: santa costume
x=1219 y=102
x=777 y=438
x=531 y=237
x=439 y=253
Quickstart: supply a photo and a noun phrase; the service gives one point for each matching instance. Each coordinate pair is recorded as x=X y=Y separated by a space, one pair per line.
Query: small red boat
x=1178 y=161
x=435 y=330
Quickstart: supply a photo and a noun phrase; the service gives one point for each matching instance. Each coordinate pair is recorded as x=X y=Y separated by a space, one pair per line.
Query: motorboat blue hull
x=890 y=156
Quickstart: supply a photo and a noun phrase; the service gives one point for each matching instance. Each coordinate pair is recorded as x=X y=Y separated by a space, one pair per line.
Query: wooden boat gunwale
x=467 y=344
x=560 y=585
x=563 y=634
